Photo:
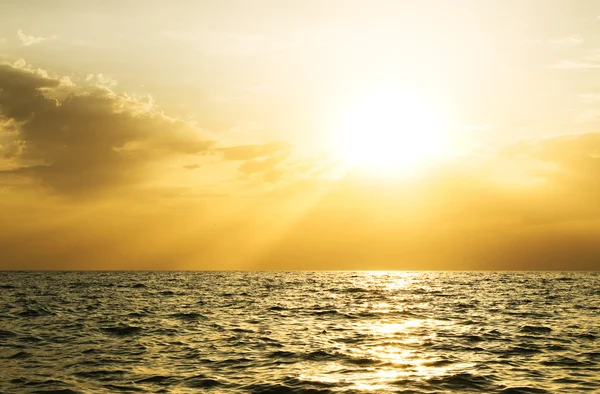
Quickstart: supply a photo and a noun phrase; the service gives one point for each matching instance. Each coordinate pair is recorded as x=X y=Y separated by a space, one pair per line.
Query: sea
x=299 y=332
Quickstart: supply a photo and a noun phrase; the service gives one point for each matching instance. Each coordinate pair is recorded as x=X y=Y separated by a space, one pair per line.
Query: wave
x=298 y=332
x=20 y=355
x=202 y=382
x=156 y=379
x=535 y=330
x=122 y=330
x=275 y=388
x=462 y=380
x=188 y=316
x=524 y=390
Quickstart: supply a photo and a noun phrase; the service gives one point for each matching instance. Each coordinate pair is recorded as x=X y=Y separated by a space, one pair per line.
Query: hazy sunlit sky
x=300 y=134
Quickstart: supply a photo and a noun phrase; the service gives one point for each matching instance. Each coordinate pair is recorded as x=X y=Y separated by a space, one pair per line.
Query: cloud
x=28 y=40
x=587 y=61
x=589 y=98
x=80 y=141
x=264 y=161
x=248 y=152
x=568 y=40
x=221 y=43
x=532 y=205
x=101 y=80
x=270 y=168
x=562 y=41
x=277 y=163
x=575 y=162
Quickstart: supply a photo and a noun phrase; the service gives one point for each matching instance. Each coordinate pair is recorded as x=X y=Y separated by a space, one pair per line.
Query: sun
x=390 y=133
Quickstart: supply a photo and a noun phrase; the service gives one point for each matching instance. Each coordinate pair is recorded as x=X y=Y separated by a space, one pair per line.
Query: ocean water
x=299 y=332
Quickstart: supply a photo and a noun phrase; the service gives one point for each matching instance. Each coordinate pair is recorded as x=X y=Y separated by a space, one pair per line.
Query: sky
x=267 y=134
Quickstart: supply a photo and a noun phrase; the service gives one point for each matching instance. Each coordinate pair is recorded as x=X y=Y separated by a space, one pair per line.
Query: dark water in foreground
x=304 y=332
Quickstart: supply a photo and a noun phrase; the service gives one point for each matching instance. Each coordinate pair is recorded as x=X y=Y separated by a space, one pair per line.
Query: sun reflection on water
x=390 y=328
x=393 y=349
x=394 y=353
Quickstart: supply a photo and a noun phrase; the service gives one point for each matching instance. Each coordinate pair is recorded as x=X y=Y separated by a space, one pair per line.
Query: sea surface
x=299 y=332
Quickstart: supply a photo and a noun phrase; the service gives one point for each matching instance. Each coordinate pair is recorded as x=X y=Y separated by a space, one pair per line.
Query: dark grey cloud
x=77 y=141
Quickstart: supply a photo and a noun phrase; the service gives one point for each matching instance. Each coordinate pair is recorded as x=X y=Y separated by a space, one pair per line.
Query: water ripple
x=299 y=332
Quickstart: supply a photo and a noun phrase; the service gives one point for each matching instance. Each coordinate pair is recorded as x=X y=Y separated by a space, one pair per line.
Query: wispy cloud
x=221 y=43
x=589 y=60
x=27 y=39
x=572 y=40
x=589 y=98
x=568 y=40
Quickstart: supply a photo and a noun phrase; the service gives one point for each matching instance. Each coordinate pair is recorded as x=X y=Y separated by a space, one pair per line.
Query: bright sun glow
x=389 y=133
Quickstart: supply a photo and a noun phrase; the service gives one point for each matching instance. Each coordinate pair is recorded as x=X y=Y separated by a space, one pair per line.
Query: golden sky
x=300 y=134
